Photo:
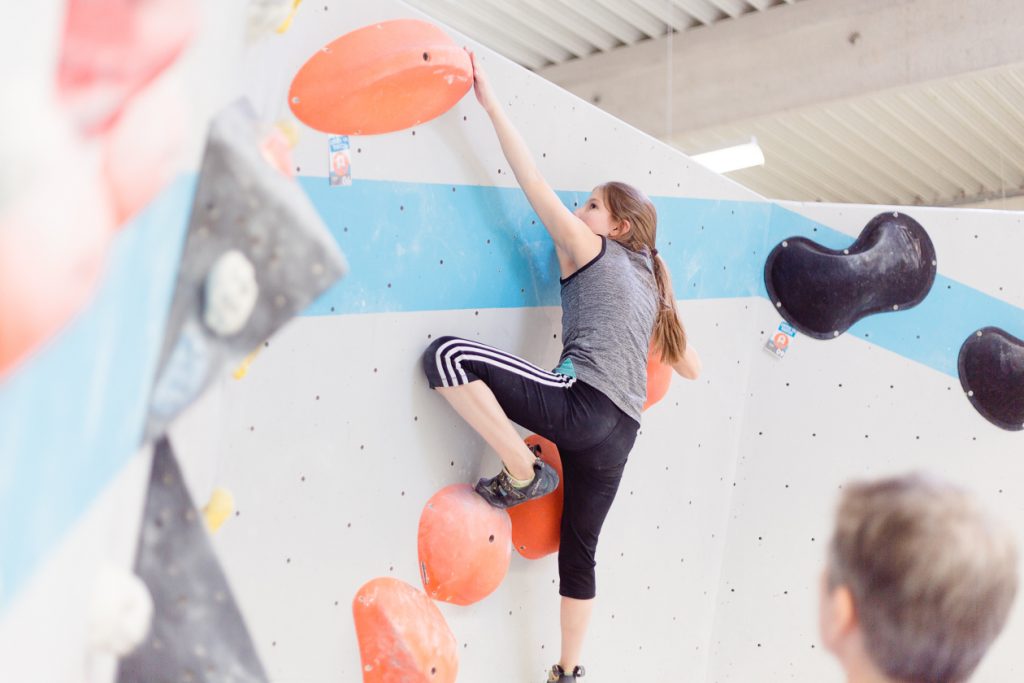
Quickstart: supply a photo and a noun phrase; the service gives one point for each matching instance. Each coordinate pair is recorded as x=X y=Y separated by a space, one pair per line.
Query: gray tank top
x=608 y=311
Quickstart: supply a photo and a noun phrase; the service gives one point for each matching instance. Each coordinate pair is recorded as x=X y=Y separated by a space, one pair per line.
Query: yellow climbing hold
x=286 y=24
x=220 y=507
x=243 y=369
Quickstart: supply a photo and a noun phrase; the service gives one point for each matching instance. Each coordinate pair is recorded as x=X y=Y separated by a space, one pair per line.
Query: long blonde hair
x=625 y=202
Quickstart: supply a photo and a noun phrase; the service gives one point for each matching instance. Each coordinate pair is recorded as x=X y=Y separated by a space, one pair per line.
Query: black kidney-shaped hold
x=822 y=292
x=991 y=368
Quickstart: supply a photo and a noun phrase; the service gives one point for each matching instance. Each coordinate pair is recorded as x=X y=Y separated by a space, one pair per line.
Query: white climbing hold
x=785 y=243
x=120 y=613
x=230 y=294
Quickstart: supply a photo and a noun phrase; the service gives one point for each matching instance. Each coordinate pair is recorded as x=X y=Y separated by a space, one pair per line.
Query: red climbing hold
x=465 y=546
x=537 y=524
x=659 y=377
x=402 y=635
x=113 y=48
x=51 y=254
x=381 y=78
x=138 y=164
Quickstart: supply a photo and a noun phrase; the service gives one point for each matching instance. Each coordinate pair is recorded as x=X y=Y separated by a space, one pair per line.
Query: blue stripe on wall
x=72 y=415
x=420 y=247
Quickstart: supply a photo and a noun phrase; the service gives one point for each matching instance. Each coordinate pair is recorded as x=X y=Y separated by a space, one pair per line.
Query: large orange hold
x=403 y=637
x=465 y=546
x=537 y=524
x=381 y=78
x=659 y=377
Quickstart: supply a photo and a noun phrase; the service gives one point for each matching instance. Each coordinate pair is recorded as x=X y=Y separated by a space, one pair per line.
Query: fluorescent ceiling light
x=732 y=158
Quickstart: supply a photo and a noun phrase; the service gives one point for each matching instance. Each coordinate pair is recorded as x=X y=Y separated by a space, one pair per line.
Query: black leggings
x=593 y=436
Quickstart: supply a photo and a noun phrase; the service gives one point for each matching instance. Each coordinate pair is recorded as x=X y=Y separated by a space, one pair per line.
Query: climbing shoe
x=558 y=674
x=501 y=493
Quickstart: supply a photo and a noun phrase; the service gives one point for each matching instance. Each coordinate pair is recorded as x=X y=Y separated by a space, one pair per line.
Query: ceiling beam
x=792 y=56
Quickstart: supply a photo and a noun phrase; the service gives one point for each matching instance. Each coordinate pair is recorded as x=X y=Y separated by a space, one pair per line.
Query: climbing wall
x=330 y=443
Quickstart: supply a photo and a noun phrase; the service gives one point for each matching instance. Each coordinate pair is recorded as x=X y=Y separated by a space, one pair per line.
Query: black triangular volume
x=198 y=633
x=991 y=369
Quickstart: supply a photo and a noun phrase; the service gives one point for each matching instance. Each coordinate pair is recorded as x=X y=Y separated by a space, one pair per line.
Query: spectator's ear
x=846 y=611
x=837 y=615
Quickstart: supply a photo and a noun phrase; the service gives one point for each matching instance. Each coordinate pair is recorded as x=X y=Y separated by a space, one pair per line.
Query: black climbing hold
x=822 y=292
x=991 y=368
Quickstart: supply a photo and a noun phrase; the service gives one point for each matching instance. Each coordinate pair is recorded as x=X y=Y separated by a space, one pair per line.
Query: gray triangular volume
x=249 y=215
x=198 y=634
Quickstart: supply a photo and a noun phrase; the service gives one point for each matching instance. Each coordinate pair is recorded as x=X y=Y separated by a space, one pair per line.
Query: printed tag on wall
x=779 y=342
x=341 y=166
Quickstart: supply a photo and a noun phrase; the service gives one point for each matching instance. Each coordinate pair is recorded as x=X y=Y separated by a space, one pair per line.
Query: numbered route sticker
x=780 y=341
x=341 y=162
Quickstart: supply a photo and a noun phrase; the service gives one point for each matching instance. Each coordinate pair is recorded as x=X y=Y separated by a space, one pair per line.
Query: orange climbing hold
x=402 y=635
x=536 y=524
x=465 y=546
x=659 y=377
x=380 y=79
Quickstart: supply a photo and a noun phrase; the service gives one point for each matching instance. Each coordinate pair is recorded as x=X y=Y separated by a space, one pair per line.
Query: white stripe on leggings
x=447 y=371
x=492 y=356
x=512 y=363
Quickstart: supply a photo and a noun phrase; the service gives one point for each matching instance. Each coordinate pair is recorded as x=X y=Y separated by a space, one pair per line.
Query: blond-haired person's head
x=918 y=583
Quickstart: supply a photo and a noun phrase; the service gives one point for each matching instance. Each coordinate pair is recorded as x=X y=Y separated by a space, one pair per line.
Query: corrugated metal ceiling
x=538 y=33
x=955 y=142
x=952 y=142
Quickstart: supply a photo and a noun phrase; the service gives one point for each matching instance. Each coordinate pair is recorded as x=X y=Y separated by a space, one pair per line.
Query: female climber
x=616 y=298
